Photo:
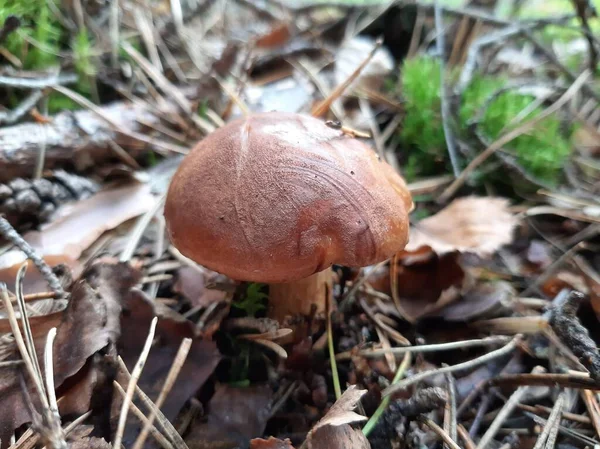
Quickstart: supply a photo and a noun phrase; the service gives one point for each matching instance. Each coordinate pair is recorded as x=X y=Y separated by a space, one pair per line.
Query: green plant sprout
x=542 y=151
x=254 y=300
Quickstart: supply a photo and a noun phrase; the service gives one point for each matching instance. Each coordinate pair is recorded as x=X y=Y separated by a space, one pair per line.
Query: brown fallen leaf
x=75 y=227
x=471 y=224
x=201 y=361
x=271 y=443
x=235 y=416
x=333 y=431
x=88 y=324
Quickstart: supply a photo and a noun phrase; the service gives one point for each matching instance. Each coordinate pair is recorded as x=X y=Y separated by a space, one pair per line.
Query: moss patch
x=541 y=152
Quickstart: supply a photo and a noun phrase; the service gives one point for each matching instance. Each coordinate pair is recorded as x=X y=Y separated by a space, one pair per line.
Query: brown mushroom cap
x=277 y=197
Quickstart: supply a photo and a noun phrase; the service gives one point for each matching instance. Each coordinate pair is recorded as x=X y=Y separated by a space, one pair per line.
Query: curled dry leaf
x=424 y=281
x=235 y=416
x=88 y=324
x=471 y=224
x=333 y=431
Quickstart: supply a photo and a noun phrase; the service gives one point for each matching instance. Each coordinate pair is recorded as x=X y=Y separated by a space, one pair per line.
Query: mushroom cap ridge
x=276 y=197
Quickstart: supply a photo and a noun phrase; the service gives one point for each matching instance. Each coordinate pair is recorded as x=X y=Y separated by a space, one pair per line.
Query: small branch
x=11 y=117
x=505 y=350
x=546 y=380
x=574 y=335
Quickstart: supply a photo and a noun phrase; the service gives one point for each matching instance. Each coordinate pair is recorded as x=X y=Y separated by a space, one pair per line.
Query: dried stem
x=159 y=437
x=450 y=422
x=488 y=341
x=167 y=427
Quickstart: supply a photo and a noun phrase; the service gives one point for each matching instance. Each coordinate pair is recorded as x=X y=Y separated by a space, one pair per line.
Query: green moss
x=36 y=41
x=422 y=127
x=541 y=152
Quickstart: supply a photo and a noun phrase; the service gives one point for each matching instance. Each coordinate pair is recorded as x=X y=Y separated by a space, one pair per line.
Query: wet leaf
x=472 y=224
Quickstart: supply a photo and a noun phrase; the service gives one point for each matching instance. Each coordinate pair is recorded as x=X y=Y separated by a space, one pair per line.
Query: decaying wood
x=79 y=138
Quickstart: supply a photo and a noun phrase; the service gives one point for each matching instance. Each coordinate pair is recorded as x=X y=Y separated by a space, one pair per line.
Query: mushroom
x=279 y=198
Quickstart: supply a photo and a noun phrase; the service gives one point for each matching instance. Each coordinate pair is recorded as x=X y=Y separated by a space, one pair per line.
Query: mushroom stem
x=298 y=297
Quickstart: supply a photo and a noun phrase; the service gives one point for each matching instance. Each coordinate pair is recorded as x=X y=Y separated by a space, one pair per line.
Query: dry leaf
x=333 y=430
x=471 y=225
x=89 y=323
x=342 y=411
x=276 y=37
